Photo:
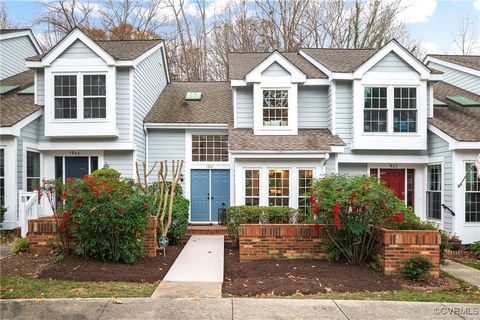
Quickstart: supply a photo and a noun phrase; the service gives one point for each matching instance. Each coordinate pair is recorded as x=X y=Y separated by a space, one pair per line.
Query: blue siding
x=40 y=87
x=275 y=70
x=244 y=107
x=122 y=161
x=458 y=78
x=344 y=112
x=13 y=53
x=165 y=144
x=313 y=107
x=123 y=103
x=437 y=147
x=78 y=50
x=148 y=82
x=392 y=63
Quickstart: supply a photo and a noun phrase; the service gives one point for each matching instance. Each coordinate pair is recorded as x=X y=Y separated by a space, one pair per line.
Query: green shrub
x=179 y=226
x=3 y=210
x=354 y=206
x=454 y=243
x=412 y=222
x=416 y=268
x=475 y=247
x=57 y=257
x=443 y=246
x=238 y=215
x=20 y=245
x=334 y=254
x=106 y=215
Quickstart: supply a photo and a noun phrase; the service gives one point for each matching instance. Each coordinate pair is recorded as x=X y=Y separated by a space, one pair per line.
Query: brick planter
x=281 y=241
x=302 y=241
x=397 y=246
x=40 y=231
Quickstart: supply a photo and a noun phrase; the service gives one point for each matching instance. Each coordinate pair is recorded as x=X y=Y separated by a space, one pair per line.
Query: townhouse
x=281 y=120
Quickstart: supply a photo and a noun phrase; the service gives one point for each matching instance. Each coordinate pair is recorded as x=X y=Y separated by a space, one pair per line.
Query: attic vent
x=439 y=103
x=6 y=89
x=464 y=101
x=193 y=96
x=27 y=91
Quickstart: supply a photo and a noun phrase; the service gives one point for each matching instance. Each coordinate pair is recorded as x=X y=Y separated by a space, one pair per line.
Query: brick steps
x=206 y=230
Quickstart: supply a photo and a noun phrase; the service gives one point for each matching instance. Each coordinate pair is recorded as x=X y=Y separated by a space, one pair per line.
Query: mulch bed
x=304 y=277
x=76 y=268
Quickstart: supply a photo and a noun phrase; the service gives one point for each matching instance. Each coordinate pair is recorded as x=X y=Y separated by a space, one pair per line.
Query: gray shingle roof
x=4 y=31
x=306 y=140
x=214 y=107
x=14 y=107
x=119 y=49
x=461 y=123
x=469 y=61
x=240 y=64
x=341 y=60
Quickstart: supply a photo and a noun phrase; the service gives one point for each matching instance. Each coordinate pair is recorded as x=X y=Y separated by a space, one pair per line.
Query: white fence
x=27 y=209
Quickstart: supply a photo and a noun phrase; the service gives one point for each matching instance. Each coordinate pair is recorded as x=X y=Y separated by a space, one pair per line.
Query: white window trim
x=259 y=185
x=465 y=193
x=290 y=191
x=298 y=180
x=26 y=177
x=442 y=193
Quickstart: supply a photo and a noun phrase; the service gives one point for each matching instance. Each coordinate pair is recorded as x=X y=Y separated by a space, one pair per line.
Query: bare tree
x=467 y=35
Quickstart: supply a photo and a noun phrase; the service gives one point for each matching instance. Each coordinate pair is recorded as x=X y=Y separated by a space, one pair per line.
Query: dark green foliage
x=106 y=173
x=238 y=215
x=334 y=254
x=416 y=268
x=443 y=246
x=179 y=226
x=3 y=210
x=475 y=247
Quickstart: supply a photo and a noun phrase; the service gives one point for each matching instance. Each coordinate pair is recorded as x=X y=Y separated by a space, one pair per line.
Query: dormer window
x=405 y=110
x=66 y=97
x=375 y=113
x=95 y=96
x=275 y=108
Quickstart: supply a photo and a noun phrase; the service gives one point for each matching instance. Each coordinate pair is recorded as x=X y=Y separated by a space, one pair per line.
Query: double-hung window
x=278 y=188
x=252 y=187
x=33 y=170
x=405 y=110
x=94 y=96
x=275 y=108
x=375 y=109
x=472 y=194
x=305 y=178
x=65 y=93
x=210 y=148
x=434 y=191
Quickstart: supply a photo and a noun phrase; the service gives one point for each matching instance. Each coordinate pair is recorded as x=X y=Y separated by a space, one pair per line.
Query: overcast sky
x=432 y=22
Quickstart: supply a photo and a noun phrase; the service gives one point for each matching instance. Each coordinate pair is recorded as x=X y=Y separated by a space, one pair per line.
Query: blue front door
x=210 y=191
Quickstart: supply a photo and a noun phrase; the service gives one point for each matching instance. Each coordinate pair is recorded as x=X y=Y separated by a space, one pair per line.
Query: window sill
x=386 y=134
x=97 y=120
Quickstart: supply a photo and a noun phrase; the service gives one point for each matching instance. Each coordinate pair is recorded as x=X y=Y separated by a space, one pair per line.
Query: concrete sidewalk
x=236 y=308
x=462 y=272
x=197 y=272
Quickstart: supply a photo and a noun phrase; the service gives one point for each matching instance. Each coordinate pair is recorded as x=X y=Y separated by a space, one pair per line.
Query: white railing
x=27 y=209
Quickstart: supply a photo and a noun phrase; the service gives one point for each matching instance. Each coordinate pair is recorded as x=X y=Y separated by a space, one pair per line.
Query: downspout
x=327 y=156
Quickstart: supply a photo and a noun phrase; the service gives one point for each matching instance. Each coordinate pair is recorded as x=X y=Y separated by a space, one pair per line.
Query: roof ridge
x=453 y=55
x=128 y=40
x=349 y=49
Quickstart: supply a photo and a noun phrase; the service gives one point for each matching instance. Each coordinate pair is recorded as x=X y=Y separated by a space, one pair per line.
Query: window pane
x=33 y=170
x=252 y=192
x=305 y=178
x=405 y=121
x=210 y=148
x=275 y=107
x=279 y=190
x=472 y=194
x=58 y=167
x=94 y=86
x=93 y=164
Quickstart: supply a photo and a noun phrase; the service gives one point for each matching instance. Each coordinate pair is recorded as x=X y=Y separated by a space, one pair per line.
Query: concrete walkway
x=237 y=308
x=6 y=250
x=197 y=272
x=462 y=272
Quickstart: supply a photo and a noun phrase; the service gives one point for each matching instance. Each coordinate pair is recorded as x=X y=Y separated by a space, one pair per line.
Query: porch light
x=193 y=96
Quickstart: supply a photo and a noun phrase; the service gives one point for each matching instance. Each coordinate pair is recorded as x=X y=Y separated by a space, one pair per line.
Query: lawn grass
x=475 y=265
x=30 y=288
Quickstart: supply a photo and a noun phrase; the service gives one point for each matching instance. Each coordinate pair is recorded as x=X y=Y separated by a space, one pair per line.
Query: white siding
x=149 y=80
x=313 y=107
x=40 y=87
x=458 y=78
x=275 y=70
x=245 y=107
x=438 y=147
x=344 y=112
x=165 y=145
x=122 y=161
x=354 y=169
x=123 y=103
x=392 y=63
x=13 y=53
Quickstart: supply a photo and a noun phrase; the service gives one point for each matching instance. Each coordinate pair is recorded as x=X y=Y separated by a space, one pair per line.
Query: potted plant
x=454 y=243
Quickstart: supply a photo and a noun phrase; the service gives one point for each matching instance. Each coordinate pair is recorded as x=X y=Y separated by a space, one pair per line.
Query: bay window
x=472 y=194
x=434 y=191
x=278 y=188
x=405 y=110
x=375 y=109
x=252 y=187
x=275 y=108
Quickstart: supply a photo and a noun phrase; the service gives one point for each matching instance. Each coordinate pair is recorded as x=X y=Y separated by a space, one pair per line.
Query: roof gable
x=78 y=50
x=255 y=75
x=16 y=33
x=392 y=62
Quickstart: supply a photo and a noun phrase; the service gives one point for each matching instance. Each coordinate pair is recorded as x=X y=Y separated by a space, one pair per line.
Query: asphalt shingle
x=469 y=61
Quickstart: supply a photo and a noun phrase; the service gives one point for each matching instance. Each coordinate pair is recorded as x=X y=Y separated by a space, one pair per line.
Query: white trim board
x=452 y=65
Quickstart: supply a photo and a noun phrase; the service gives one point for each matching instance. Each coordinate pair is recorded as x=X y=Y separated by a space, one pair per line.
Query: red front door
x=395 y=180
